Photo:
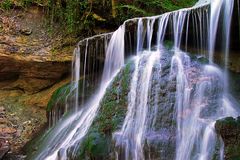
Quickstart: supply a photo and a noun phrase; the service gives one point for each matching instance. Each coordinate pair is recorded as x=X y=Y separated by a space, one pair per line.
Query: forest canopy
x=83 y=16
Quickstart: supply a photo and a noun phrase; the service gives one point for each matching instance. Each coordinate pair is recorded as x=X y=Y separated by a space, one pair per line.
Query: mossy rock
x=232 y=152
x=98 y=142
x=66 y=92
x=59 y=96
x=95 y=145
x=229 y=129
x=168 y=44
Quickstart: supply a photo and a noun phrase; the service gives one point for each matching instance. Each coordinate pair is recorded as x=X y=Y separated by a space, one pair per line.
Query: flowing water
x=70 y=131
x=165 y=83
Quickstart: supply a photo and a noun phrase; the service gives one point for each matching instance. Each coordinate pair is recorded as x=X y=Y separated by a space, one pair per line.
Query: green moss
x=228 y=121
x=94 y=145
x=59 y=96
x=233 y=152
x=168 y=44
x=97 y=143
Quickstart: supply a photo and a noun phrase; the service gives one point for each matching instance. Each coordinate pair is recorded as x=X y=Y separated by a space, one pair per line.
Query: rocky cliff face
x=30 y=74
x=33 y=63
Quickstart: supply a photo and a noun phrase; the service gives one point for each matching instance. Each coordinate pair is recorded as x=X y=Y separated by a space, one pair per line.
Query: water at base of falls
x=174 y=99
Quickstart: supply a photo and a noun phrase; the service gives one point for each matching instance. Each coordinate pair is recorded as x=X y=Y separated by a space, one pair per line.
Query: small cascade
x=55 y=114
x=150 y=24
x=216 y=6
x=174 y=98
x=86 y=69
x=178 y=24
x=228 y=11
x=131 y=137
x=162 y=26
x=76 y=76
x=191 y=128
x=70 y=131
x=139 y=36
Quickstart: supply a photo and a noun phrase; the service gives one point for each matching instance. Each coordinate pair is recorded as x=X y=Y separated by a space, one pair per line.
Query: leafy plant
x=134 y=9
x=81 y=17
x=75 y=15
x=6 y=4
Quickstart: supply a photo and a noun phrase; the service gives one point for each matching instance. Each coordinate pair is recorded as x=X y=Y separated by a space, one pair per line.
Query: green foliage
x=75 y=15
x=134 y=9
x=9 y=4
x=6 y=4
x=26 y=3
x=141 y=8
x=79 y=16
x=170 y=5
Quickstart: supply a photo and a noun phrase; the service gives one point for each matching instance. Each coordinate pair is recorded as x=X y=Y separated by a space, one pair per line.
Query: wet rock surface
x=229 y=129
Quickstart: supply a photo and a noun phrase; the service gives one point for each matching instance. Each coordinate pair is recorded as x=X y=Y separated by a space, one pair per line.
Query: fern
x=135 y=9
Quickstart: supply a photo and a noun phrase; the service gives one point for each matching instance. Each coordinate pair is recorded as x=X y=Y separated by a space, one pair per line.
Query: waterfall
x=131 y=136
x=70 y=131
x=228 y=10
x=214 y=17
x=196 y=135
x=174 y=99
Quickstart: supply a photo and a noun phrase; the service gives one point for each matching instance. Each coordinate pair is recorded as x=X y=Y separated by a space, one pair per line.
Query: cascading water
x=228 y=10
x=174 y=99
x=214 y=18
x=70 y=131
x=132 y=135
x=196 y=137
